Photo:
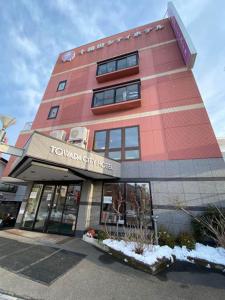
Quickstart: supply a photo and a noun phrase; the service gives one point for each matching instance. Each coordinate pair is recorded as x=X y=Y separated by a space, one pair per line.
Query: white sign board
x=33 y=195
x=107 y=200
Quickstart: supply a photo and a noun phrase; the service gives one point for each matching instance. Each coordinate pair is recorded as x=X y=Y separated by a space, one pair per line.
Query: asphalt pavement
x=76 y=270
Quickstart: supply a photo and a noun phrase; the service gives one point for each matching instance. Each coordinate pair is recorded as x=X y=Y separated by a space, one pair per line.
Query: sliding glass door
x=52 y=208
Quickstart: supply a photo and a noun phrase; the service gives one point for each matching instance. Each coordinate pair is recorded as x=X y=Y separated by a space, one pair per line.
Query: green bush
x=186 y=239
x=166 y=238
x=102 y=235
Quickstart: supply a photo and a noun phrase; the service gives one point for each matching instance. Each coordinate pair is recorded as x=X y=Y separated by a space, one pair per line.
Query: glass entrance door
x=44 y=208
x=70 y=212
x=52 y=208
x=56 y=213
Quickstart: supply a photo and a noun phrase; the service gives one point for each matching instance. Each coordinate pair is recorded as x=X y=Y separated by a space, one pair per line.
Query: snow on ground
x=211 y=254
x=153 y=253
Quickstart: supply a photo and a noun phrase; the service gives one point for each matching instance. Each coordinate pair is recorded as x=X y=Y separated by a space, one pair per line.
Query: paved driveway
x=76 y=270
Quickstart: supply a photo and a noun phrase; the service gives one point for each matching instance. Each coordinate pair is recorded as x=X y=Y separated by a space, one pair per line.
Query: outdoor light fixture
x=6 y=122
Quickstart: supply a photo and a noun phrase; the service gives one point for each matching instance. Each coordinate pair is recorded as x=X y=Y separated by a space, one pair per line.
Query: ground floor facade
x=154 y=188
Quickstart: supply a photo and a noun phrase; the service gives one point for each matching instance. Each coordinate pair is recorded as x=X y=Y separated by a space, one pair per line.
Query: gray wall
x=192 y=184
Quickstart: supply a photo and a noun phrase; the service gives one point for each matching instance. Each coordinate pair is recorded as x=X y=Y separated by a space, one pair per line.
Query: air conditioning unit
x=58 y=134
x=79 y=136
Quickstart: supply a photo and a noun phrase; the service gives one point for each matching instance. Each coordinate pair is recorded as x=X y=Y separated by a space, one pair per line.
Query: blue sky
x=34 y=32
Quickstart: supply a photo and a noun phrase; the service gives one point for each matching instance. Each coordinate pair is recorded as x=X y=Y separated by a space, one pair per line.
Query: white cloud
x=23 y=44
x=191 y=10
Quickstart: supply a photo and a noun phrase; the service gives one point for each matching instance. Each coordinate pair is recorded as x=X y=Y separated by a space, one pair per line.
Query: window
x=117 y=94
x=118 y=144
x=53 y=112
x=9 y=188
x=126 y=204
x=61 y=85
x=118 y=63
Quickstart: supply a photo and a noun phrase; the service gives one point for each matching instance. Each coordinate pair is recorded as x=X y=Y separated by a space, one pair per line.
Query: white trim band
x=122 y=118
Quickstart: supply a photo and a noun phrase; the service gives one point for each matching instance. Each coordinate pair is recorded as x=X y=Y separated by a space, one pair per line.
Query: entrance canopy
x=48 y=159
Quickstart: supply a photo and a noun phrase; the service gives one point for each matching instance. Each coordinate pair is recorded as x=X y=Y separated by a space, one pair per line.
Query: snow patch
x=154 y=253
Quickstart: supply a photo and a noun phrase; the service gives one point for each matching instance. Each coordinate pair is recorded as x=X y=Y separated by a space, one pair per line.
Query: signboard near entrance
x=59 y=153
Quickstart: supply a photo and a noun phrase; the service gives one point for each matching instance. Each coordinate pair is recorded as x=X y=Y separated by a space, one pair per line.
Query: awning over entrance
x=48 y=159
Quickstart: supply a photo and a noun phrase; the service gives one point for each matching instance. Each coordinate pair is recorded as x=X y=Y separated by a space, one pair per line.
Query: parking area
x=72 y=269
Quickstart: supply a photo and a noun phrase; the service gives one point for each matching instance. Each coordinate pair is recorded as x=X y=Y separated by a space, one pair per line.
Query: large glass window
x=131 y=137
x=118 y=144
x=100 y=140
x=117 y=94
x=115 y=138
x=118 y=63
x=126 y=204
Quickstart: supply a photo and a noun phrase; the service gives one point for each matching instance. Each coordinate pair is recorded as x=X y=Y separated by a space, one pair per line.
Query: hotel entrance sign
x=50 y=151
x=84 y=158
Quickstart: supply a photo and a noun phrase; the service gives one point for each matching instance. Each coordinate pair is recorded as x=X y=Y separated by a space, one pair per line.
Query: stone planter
x=207 y=264
x=95 y=243
x=154 y=269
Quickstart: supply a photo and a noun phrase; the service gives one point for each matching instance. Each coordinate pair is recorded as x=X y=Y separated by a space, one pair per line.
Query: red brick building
x=130 y=97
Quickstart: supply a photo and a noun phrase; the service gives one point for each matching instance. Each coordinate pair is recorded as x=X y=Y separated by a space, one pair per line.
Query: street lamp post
x=4 y=148
x=6 y=122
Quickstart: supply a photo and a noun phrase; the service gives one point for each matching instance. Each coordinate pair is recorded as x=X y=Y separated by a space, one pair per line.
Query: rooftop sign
x=184 y=41
x=69 y=55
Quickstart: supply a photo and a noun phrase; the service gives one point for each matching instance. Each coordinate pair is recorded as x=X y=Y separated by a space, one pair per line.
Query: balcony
x=116 y=98
x=118 y=67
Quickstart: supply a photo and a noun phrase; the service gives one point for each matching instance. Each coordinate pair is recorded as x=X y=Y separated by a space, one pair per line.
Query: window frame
x=116 y=59
x=49 y=113
x=114 y=88
x=62 y=81
x=123 y=147
x=125 y=182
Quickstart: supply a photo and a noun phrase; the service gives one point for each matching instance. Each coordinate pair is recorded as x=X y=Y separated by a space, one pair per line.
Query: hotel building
x=121 y=129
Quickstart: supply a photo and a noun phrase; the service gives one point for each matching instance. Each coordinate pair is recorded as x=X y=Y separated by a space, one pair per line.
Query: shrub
x=102 y=235
x=166 y=238
x=210 y=227
x=186 y=239
x=139 y=248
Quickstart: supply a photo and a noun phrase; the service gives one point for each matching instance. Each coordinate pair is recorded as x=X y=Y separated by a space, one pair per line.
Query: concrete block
x=172 y=168
x=220 y=186
x=175 y=187
x=193 y=199
x=158 y=169
x=186 y=168
x=191 y=187
x=130 y=170
x=207 y=187
x=202 y=168
x=210 y=199
x=217 y=166
x=159 y=186
x=160 y=199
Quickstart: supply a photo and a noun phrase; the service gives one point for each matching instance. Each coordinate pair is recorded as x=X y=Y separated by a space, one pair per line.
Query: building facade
x=130 y=99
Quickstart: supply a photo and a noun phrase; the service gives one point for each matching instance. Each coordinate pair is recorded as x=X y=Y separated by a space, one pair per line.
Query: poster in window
x=107 y=200
x=49 y=196
x=33 y=195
